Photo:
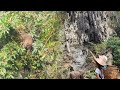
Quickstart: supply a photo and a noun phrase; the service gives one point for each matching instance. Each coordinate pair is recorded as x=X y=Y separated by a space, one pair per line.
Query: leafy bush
x=44 y=27
x=90 y=74
x=114 y=43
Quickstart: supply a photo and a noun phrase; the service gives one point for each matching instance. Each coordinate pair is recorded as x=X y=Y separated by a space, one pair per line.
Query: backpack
x=111 y=72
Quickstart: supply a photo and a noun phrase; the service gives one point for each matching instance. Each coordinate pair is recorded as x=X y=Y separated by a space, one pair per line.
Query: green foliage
x=44 y=28
x=98 y=48
x=114 y=43
x=90 y=74
x=117 y=23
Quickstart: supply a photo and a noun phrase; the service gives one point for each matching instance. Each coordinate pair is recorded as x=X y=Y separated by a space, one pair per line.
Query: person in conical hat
x=101 y=63
x=102 y=60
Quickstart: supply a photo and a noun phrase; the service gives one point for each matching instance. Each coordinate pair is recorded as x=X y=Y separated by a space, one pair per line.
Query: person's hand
x=89 y=51
x=86 y=49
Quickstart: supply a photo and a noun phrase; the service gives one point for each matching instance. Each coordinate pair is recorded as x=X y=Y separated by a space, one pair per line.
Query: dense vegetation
x=45 y=60
x=44 y=27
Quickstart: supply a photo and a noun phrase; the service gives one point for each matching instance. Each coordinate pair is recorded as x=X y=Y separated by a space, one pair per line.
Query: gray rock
x=82 y=27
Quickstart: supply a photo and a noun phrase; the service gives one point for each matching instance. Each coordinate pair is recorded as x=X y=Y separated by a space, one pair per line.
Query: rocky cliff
x=82 y=28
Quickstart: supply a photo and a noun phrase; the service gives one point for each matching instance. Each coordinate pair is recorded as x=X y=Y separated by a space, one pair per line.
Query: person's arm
x=97 y=71
x=92 y=55
x=97 y=76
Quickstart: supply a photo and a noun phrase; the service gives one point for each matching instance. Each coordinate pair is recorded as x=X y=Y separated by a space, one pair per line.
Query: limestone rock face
x=82 y=27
